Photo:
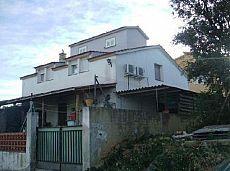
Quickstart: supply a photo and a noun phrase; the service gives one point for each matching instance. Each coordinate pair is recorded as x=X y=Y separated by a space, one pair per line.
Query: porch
x=158 y=99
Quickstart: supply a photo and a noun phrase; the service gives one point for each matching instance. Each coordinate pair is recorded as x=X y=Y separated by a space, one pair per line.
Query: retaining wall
x=104 y=128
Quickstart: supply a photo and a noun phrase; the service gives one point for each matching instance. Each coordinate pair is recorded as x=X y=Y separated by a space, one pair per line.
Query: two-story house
x=117 y=69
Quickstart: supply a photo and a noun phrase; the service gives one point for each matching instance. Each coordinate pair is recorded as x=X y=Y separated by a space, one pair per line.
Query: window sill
x=109 y=47
x=49 y=79
x=159 y=80
x=73 y=74
x=83 y=71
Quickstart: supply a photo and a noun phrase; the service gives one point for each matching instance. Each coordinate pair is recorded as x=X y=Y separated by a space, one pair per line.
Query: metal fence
x=60 y=145
x=14 y=142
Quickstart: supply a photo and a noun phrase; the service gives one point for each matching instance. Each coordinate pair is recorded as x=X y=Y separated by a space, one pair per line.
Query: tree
x=207 y=33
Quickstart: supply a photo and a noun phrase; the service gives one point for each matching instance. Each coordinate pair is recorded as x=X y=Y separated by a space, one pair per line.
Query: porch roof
x=26 y=98
x=151 y=90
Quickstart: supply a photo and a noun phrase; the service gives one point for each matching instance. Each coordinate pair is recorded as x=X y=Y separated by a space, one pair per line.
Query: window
x=82 y=49
x=83 y=65
x=110 y=42
x=41 y=77
x=73 y=69
x=158 y=72
x=48 y=74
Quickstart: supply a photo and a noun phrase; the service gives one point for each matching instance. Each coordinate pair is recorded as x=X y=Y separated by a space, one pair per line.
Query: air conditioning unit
x=129 y=69
x=139 y=72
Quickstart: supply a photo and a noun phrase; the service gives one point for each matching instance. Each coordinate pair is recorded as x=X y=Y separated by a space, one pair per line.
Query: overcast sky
x=33 y=32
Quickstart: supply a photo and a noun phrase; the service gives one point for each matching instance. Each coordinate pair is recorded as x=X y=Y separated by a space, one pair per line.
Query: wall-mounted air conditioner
x=129 y=69
x=139 y=72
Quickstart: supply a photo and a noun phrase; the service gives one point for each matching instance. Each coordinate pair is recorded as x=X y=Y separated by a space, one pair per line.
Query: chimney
x=62 y=56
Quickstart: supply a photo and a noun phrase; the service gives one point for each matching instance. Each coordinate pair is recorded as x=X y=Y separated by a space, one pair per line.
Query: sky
x=33 y=32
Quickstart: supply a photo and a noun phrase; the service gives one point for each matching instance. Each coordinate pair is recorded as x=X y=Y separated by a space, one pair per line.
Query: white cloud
x=10 y=89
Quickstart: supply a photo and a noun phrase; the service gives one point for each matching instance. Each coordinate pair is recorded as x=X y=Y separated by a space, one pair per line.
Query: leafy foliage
x=162 y=153
x=208 y=106
x=207 y=33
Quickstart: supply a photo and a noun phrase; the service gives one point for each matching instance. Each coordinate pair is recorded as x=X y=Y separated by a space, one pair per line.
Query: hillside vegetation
x=163 y=153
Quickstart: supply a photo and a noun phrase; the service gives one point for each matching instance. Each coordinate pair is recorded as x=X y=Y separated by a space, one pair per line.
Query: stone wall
x=108 y=127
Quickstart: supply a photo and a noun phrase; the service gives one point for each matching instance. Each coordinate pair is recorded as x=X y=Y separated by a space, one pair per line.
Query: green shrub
x=163 y=153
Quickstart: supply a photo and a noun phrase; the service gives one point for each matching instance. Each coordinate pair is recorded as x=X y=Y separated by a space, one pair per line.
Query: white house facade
x=127 y=65
x=118 y=39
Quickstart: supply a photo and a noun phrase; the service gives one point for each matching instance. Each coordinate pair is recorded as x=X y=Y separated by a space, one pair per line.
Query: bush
x=164 y=154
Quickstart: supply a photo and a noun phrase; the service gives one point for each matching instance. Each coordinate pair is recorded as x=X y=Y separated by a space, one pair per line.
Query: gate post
x=32 y=121
x=86 y=138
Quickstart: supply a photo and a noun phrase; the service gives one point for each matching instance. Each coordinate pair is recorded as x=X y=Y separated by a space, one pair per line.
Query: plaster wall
x=146 y=59
x=108 y=127
x=12 y=161
x=122 y=42
x=61 y=78
x=135 y=39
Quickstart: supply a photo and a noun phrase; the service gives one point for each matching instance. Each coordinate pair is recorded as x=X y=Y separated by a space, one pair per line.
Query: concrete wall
x=135 y=39
x=146 y=59
x=145 y=103
x=61 y=78
x=10 y=161
x=122 y=42
x=13 y=161
x=103 y=128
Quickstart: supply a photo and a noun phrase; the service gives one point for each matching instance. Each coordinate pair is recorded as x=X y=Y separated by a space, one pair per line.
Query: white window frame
x=109 y=41
x=81 y=65
x=82 y=49
x=160 y=72
x=41 y=77
x=72 y=70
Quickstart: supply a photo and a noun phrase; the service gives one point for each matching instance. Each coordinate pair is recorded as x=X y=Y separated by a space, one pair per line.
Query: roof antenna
x=62 y=51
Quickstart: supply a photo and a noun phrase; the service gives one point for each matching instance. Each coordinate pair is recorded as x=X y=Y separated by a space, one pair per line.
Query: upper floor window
x=110 y=42
x=82 y=49
x=48 y=74
x=83 y=65
x=74 y=69
x=158 y=72
x=41 y=77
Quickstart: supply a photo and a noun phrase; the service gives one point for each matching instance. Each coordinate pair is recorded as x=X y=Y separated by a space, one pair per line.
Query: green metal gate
x=60 y=145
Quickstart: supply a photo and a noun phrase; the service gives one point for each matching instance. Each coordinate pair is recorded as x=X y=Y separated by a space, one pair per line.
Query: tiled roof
x=48 y=64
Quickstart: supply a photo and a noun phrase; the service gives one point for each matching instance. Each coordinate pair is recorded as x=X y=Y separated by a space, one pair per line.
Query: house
x=183 y=61
x=138 y=87
x=115 y=68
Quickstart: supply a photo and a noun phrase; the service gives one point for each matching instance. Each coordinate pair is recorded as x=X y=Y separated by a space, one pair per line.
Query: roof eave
x=110 y=32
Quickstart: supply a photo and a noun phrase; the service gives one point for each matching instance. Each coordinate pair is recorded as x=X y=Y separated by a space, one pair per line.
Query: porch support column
x=32 y=122
x=165 y=100
x=157 y=105
x=43 y=111
x=77 y=108
x=86 y=138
